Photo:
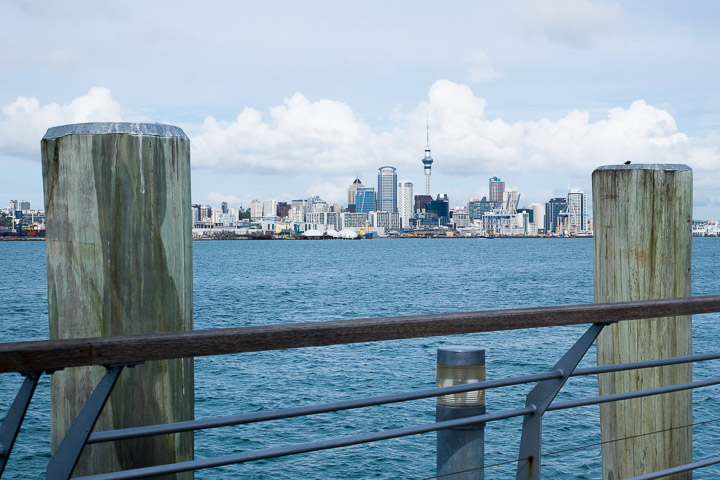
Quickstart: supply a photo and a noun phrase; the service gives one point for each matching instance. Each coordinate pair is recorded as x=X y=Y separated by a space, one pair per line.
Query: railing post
x=460 y=451
x=642 y=227
x=119 y=262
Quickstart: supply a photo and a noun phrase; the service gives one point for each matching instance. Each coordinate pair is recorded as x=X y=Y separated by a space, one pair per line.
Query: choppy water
x=255 y=283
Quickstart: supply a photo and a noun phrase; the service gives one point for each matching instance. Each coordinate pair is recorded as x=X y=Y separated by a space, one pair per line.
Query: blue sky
x=284 y=100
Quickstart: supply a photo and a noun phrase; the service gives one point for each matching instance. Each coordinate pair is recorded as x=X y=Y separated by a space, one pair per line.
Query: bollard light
x=457 y=365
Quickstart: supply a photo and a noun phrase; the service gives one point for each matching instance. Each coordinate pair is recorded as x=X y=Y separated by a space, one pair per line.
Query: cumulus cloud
x=322 y=137
x=24 y=121
x=325 y=138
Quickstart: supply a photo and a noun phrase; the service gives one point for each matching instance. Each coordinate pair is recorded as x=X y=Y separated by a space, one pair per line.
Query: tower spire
x=427 y=160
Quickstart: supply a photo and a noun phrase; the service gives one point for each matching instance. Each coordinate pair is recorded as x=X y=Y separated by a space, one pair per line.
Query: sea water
x=241 y=283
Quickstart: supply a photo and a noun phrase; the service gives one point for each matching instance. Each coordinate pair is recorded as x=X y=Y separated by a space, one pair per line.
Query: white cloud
x=217 y=198
x=481 y=69
x=325 y=139
x=323 y=143
x=24 y=121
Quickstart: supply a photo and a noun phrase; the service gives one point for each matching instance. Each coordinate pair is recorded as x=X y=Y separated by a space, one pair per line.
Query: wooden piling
x=643 y=219
x=119 y=262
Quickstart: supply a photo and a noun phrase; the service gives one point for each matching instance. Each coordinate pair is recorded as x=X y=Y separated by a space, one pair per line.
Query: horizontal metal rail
x=227 y=421
x=58 y=354
x=346 y=441
x=682 y=468
x=241 y=419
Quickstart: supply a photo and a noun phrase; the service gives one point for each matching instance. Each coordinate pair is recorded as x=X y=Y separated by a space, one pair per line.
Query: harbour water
x=238 y=283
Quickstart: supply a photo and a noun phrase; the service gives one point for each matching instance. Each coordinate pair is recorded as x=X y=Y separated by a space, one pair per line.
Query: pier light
x=457 y=365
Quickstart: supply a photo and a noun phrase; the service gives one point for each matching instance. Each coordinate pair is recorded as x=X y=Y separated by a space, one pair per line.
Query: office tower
x=351 y=192
x=497 y=188
x=365 y=200
x=427 y=162
x=405 y=203
x=441 y=208
x=269 y=208
x=283 y=209
x=538 y=215
x=421 y=203
x=23 y=205
x=224 y=207
x=510 y=199
x=387 y=190
x=256 y=210
x=576 y=210
x=553 y=209
x=476 y=208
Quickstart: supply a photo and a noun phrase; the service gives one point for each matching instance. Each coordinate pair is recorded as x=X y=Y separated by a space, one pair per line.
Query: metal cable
x=582 y=447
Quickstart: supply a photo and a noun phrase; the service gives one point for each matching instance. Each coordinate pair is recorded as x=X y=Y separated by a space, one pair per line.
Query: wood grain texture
x=55 y=354
x=643 y=216
x=119 y=262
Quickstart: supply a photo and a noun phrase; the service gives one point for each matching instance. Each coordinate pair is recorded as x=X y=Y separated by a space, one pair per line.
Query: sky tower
x=427 y=161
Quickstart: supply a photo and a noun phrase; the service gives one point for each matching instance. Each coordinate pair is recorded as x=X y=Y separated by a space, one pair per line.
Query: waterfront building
x=576 y=211
x=387 y=189
x=477 y=208
x=316 y=204
x=538 y=216
x=421 y=203
x=460 y=219
x=386 y=220
x=283 y=209
x=269 y=208
x=365 y=200
x=405 y=203
x=553 y=209
x=427 y=162
x=195 y=213
x=297 y=211
x=354 y=221
x=256 y=210
x=352 y=193
x=206 y=213
x=497 y=189
x=268 y=223
x=323 y=221
x=440 y=207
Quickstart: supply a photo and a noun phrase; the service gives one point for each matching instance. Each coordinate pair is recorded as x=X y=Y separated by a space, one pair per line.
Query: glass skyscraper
x=387 y=190
x=365 y=200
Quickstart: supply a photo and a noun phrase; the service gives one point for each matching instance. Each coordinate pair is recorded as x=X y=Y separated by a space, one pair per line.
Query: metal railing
x=34 y=358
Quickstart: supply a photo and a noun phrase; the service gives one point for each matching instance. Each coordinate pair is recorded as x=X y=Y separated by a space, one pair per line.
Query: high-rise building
x=421 y=203
x=538 y=215
x=365 y=200
x=476 y=208
x=427 y=162
x=224 y=207
x=510 y=199
x=405 y=203
x=576 y=211
x=256 y=210
x=553 y=209
x=387 y=190
x=269 y=208
x=441 y=208
x=352 y=191
x=283 y=209
x=497 y=188
x=23 y=205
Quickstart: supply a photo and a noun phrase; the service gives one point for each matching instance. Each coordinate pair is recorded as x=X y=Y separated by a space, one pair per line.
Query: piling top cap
x=648 y=166
x=460 y=355
x=105 y=128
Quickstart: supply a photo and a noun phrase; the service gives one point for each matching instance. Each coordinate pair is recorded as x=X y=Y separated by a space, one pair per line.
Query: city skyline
x=299 y=101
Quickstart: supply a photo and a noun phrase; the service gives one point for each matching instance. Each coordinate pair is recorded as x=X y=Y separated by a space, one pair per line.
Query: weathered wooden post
x=643 y=219
x=119 y=262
